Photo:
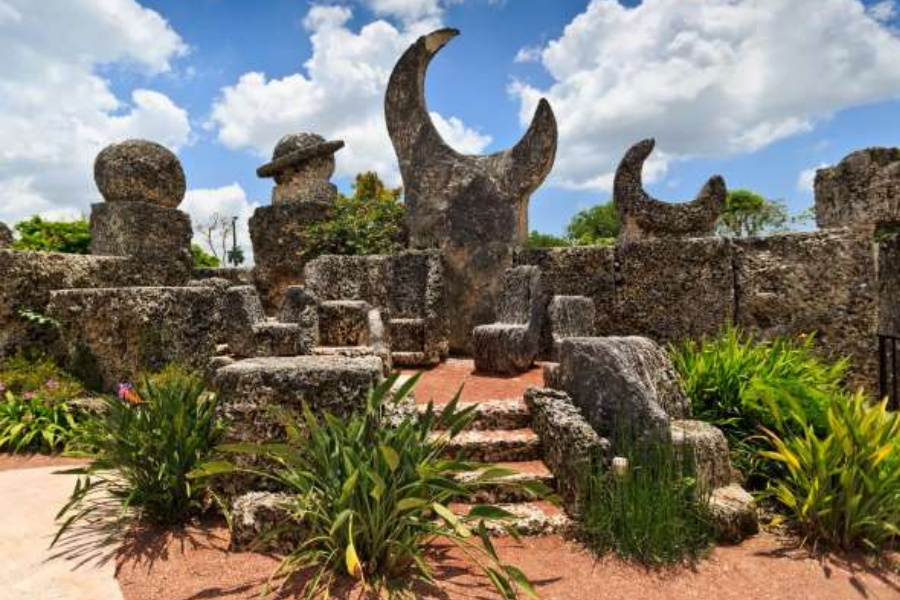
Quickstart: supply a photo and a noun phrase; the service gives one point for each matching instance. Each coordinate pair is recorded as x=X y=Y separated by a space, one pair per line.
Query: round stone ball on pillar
x=140 y=171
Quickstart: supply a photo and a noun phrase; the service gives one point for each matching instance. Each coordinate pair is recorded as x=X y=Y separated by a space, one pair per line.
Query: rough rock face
x=251 y=335
x=140 y=171
x=326 y=383
x=623 y=385
x=344 y=323
x=861 y=190
x=302 y=165
x=889 y=285
x=256 y=517
x=301 y=307
x=570 y=444
x=511 y=344
x=234 y=275
x=733 y=513
x=160 y=238
x=707 y=449
x=6 y=236
x=644 y=217
x=820 y=282
x=114 y=334
x=279 y=248
x=475 y=208
x=570 y=316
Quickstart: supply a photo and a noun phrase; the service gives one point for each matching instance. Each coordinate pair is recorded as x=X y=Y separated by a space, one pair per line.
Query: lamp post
x=233 y=256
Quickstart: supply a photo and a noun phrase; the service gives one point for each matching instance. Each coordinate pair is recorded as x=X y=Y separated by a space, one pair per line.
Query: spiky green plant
x=368 y=497
x=841 y=488
x=30 y=423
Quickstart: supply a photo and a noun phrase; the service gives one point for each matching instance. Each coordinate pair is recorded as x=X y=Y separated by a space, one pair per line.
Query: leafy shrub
x=537 y=239
x=30 y=423
x=369 y=496
x=144 y=443
x=653 y=513
x=70 y=237
x=841 y=488
x=728 y=378
x=598 y=225
x=38 y=375
x=202 y=258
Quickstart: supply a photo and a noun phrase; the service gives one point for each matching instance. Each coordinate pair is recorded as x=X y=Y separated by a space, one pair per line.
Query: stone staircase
x=500 y=435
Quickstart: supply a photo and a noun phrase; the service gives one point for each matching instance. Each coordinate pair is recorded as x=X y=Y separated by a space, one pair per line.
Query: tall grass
x=728 y=379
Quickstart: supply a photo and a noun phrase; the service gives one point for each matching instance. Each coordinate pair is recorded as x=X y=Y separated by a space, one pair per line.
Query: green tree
x=370 y=221
x=70 y=237
x=596 y=225
x=748 y=213
x=202 y=258
x=536 y=239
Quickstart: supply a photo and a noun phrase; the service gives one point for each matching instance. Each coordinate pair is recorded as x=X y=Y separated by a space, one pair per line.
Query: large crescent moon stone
x=140 y=171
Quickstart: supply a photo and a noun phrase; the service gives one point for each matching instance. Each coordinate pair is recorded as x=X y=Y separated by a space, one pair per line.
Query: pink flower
x=51 y=384
x=2 y=387
x=28 y=395
x=127 y=394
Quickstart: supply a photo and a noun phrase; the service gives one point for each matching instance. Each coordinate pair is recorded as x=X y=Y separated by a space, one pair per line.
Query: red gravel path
x=442 y=381
x=8 y=462
x=196 y=565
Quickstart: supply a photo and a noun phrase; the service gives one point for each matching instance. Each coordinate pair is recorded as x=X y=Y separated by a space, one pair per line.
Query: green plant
x=38 y=375
x=369 y=496
x=29 y=423
x=653 y=512
x=71 y=237
x=598 y=225
x=727 y=379
x=202 y=258
x=747 y=213
x=537 y=239
x=143 y=444
x=841 y=488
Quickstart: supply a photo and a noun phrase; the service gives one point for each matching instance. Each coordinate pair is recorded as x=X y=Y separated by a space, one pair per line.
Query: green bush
x=142 y=446
x=595 y=226
x=38 y=375
x=369 y=496
x=70 y=237
x=841 y=488
x=203 y=259
x=537 y=239
x=654 y=513
x=728 y=378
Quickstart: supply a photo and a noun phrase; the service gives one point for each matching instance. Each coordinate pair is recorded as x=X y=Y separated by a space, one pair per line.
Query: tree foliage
x=70 y=237
x=202 y=258
x=594 y=226
x=536 y=239
x=748 y=213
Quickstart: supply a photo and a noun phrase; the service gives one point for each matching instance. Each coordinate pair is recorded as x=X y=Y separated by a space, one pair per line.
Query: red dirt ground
x=441 y=382
x=8 y=462
x=196 y=565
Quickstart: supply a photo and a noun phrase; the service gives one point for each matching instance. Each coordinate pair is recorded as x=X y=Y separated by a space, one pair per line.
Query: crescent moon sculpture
x=643 y=216
x=474 y=207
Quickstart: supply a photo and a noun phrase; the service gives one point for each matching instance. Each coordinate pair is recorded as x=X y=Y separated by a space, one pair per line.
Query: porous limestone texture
x=301 y=307
x=157 y=236
x=889 y=285
x=644 y=217
x=259 y=519
x=344 y=323
x=474 y=208
x=511 y=344
x=140 y=171
x=705 y=446
x=302 y=164
x=250 y=334
x=6 y=236
x=863 y=190
x=822 y=282
x=234 y=275
x=570 y=445
x=733 y=514
x=112 y=335
x=570 y=316
x=248 y=388
x=624 y=386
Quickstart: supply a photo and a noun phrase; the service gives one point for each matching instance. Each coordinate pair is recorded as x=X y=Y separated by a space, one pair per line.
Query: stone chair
x=569 y=316
x=418 y=309
x=250 y=334
x=511 y=344
x=353 y=328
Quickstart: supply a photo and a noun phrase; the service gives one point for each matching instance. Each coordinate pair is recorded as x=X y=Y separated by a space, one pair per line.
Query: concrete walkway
x=29 y=570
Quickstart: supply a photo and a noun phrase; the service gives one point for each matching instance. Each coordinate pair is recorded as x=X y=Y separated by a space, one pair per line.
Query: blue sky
x=755 y=90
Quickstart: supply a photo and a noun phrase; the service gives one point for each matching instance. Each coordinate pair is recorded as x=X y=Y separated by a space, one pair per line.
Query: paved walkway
x=441 y=382
x=29 y=501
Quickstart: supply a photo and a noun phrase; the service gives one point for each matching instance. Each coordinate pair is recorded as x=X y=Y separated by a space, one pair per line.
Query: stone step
x=509 y=489
x=489 y=446
x=493 y=414
x=531 y=518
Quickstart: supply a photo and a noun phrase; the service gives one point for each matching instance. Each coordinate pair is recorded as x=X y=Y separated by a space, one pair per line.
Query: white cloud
x=226 y=201
x=807 y=178
x=458 y=136
x=56 y=112
x=706 y=78
x=340 y=95
x=883 y=11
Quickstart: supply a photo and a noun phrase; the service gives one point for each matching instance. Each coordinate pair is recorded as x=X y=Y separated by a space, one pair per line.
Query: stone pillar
x=301 y=165
x=143 y=184
x=861 y=191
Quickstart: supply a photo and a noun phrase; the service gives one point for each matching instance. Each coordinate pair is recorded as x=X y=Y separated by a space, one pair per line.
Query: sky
x=762 y=92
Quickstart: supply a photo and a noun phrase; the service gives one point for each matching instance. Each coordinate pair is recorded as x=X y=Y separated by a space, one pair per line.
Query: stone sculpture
x=6 y=236
x=140 y=171
x=474 y=208
x=301 y=165
x=863 y=190
x=643 y=216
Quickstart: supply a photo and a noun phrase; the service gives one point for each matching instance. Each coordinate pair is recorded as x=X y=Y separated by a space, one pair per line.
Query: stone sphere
x=140 y=171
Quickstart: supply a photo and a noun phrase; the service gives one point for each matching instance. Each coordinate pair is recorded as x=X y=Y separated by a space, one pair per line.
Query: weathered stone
x=280 y=248
x=642 y=216
x=511 y=344
x=250 y=334
x=474 y=208
x=733 y=513
x=624 y=386
x=569 y=316
x=140 y=171
x=234 y=275
x=863 y=190
x=115 y=334
x=669 y=289
x=249 y=387
x=6 y=236
x=301 y=307
x=821 y=282
x=259 y=522
x=159 y=237
x=344 y=323
x=889 y=285
x=570 y=445
x=705 y=446
x=362 y=278
x=302 y=164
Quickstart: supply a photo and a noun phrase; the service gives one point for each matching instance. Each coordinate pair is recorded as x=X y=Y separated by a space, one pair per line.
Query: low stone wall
x=114 y=334
x=233 y=275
